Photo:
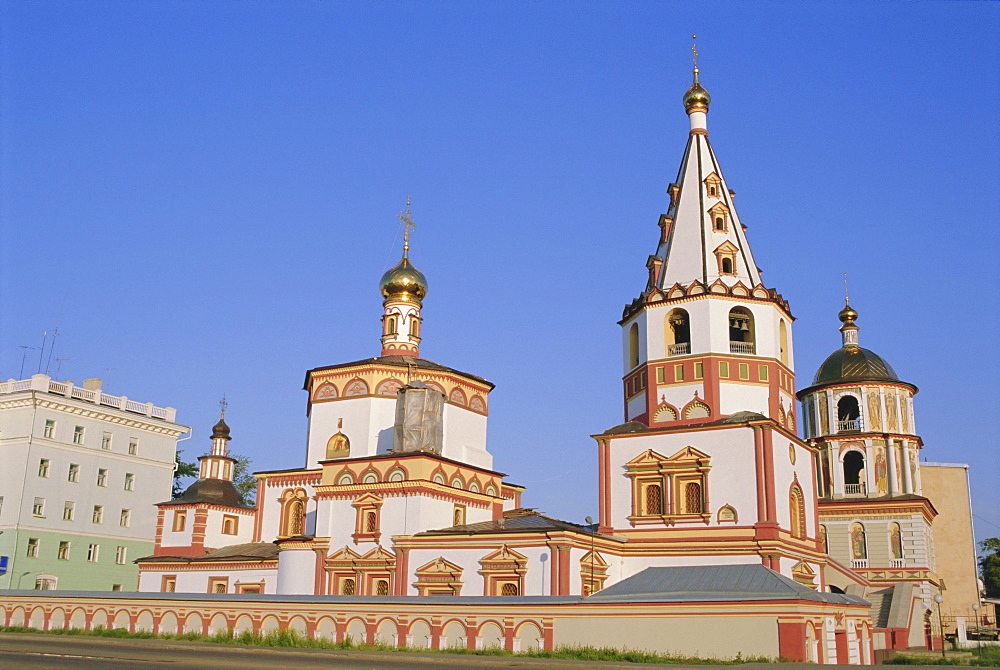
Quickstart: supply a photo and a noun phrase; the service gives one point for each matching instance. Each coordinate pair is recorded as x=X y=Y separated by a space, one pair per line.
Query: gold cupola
x=697 y=98
x=403 y=282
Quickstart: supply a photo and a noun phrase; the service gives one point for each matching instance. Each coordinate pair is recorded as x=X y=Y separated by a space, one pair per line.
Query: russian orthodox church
x=398 y=495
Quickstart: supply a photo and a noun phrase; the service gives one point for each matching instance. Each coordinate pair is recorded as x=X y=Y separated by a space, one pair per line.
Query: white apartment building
x=80 y=474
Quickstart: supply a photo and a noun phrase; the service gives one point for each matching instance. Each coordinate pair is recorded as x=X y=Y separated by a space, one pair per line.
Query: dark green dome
x=853 y=363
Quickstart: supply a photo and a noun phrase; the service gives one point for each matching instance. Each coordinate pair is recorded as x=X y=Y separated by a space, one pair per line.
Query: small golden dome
x=403 y=282
x=697 y=98
x=847 y=314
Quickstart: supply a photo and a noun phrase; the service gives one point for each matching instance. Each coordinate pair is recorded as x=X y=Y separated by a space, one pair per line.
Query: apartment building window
x=125 y=518
x=133 y=445
x=102 y=476
x=43 y=467
x=38 y=507
x=120 y=555
x=78 y=435
x=74 y=473
x=69 y=511
x=50 y=428
x=129 y=481
x=98 y=515
x=32 y=548
x=93 y=551
x=106 y=441
x=63 y=553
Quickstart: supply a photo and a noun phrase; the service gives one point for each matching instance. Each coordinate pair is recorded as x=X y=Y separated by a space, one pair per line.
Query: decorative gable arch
x=325 y=391
x=439 y=577
x=503 y=572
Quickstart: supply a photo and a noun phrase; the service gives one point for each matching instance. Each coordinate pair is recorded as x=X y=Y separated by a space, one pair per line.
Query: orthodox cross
x=407 y=220
x=847 y=297
x=223 y=405
x=694 y=49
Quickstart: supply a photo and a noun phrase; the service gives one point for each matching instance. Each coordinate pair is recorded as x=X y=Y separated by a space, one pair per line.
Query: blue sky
x=203 y=196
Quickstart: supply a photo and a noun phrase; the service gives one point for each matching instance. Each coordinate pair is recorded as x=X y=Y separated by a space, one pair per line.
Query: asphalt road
x=57 y=652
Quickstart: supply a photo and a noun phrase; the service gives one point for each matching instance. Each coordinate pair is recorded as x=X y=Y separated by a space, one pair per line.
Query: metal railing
x=67 y=389
x=849 y=424
x=741 y=347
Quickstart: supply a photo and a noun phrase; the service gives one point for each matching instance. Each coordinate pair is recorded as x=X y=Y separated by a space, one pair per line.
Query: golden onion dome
x=696 y=98
x=403 y=282
x=847 y=314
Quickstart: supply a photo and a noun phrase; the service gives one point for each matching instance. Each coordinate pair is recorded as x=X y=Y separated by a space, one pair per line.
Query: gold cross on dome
x=223 y=405
x=407 y=218
x=694 y=49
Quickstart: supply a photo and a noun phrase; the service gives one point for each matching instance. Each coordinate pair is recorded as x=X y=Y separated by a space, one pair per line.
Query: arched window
x=720 y=223
x=654 y=499
x=783 y=341
x=797 y=511
x=347 y=587
x=859 y=543
x=823 y=540
x=382 y=587
x=414 y=326
x=854 y=466
x=678 y=333
x=727 y=265
x=509 y=589
x=742 y=337
x=896 y=541
x=293 y=512
x=633 y=346
x=371 y=522
x=390 y=325
x=848 y=413
x=692 y=498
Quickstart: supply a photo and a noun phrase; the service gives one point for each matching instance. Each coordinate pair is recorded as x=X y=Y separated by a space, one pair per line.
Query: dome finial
x=694 y=50
x=407 y=218
x=696 y=99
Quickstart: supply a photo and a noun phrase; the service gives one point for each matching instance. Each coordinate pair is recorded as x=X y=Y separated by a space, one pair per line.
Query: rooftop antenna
x=48 y=361
x=45 y=336
x=24 y=352
x=59 y=365
x=407 y=218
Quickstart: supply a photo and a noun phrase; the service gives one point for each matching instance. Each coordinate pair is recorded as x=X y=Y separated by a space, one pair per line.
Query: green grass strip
x=292 y=639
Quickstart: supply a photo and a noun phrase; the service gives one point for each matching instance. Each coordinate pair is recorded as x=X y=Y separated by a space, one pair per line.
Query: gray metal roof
x=694 y=583
x=515 y=521
x=251 y=551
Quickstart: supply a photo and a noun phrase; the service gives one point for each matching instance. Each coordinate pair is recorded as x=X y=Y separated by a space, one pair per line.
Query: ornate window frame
x=439 y=577
x=293 y=512
x=368 y=520
x=671 y=476
x=593 y=573
x=503 y=570
x=364 y=572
